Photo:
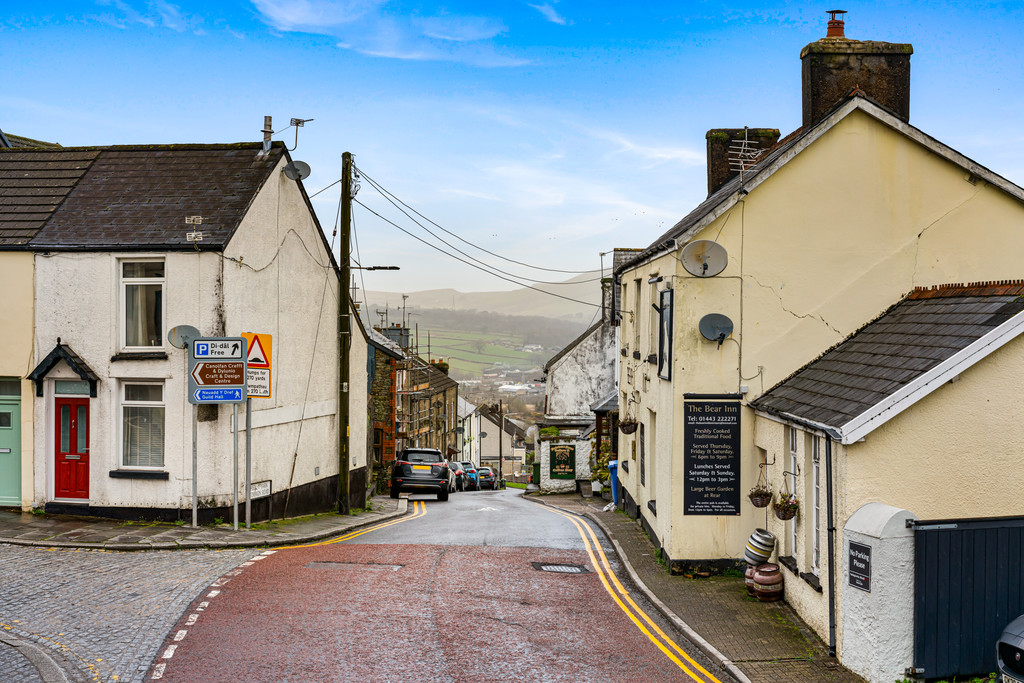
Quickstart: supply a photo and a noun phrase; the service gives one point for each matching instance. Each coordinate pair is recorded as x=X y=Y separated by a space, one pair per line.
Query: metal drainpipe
x=831 y=549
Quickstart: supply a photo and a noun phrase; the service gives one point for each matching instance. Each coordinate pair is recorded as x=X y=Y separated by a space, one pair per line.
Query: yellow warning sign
x=259 y=362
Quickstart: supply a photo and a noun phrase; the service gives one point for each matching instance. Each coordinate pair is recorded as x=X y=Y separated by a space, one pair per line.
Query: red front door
x=72 y=448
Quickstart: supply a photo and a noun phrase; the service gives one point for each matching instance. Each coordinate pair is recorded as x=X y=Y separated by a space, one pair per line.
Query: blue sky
x=545 y=131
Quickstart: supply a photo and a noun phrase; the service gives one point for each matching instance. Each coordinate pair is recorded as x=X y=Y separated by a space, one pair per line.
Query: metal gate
x=968 y=585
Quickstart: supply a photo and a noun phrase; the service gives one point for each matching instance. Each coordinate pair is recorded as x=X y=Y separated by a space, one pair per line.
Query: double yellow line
x=604 y=571
x=419 y=509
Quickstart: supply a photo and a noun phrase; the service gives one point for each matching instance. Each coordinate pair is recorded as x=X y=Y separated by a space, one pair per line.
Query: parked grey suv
x=1010 y=652
x=423 y=470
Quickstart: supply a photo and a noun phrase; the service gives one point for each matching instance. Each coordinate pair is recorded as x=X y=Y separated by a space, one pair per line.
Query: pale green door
x=10 y=451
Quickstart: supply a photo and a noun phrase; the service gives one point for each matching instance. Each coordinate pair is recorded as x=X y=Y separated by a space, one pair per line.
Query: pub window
x=142 y=303
x=665 y=334
x=378 y=444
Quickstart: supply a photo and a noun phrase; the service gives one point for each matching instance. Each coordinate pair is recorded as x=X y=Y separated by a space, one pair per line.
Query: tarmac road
x=453 y=592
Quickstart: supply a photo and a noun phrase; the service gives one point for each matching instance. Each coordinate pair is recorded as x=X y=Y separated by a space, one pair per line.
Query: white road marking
x=169 y=652
x=179 y=635
x=213 y=594
x=192 y=618
x=158 y=670
x=258 y=557
x=269 y=552
x=488 y=509
x=202 y=606
x=246 y=564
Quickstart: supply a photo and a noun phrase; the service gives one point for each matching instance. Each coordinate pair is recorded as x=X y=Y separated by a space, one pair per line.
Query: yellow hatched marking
x=603 y=571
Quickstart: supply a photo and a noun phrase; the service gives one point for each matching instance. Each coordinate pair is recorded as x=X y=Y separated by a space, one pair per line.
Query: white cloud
x=550 y=14
x=161 y=14
x=654 y=154
x=364 y=26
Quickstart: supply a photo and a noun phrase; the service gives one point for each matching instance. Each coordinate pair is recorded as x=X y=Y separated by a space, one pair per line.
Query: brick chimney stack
x=720 y=171
x=835 y=66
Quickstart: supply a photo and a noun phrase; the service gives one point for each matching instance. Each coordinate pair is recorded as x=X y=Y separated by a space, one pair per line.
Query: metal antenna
x=298 y=123
x=743 y=154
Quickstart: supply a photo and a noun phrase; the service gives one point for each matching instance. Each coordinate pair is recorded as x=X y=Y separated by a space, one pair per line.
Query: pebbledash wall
x=275 y=276
x=583 y=448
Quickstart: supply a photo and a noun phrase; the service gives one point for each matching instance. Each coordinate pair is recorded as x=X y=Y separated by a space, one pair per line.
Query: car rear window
x=484 y=470
x=421 y=456
x=468 y=465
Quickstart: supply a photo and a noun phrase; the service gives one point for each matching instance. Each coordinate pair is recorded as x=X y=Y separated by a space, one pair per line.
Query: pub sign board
x=860 y=566
x=563 y=461
x=711 y=430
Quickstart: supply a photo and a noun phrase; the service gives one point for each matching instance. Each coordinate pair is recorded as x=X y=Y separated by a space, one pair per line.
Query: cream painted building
x=112 y=272
x=823 y=232
x=16 y=361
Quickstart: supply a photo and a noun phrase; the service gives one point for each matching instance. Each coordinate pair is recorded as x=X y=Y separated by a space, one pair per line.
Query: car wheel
x=442 y=495
x=394 y=492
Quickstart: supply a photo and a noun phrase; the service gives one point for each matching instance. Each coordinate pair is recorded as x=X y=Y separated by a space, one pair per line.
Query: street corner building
x=102 y=251
x=839 y=322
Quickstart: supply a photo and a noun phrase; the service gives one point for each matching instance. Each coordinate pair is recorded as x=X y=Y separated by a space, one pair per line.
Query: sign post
x=259 y=361
x=216 y=374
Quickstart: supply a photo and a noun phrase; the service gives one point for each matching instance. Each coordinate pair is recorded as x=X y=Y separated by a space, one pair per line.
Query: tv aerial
x=704 y=258
x=297 y=170
x=715 y=327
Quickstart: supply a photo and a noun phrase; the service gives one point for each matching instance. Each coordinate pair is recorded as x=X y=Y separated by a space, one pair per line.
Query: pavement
x=755 y=641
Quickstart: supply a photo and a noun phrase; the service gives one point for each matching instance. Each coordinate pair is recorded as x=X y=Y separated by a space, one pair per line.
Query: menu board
x=712 y=458
x=563 y=461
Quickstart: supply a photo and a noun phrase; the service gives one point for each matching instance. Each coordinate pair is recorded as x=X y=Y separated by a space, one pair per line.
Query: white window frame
x=816 y=504
x=792 y=487
x=123 y=284
x=124 y=403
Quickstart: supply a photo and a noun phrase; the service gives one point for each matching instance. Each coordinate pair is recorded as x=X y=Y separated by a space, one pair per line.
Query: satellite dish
x=180 y=336
x=297 y=170
x=704 y=258
x=715 y=327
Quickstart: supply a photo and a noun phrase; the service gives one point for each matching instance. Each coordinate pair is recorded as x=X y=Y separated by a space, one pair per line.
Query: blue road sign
x=218 y=395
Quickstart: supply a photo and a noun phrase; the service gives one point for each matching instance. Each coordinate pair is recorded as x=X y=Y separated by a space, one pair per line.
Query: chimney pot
x=836 y=26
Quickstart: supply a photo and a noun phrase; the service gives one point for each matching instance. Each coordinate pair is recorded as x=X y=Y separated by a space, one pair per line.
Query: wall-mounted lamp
x=654 y=278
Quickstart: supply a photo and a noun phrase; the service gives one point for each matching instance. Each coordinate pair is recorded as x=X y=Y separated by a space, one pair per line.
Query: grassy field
x=471 y=352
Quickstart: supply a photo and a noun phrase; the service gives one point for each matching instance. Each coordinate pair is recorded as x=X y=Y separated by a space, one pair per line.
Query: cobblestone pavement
x=104 y=613
x=15 y=666
x=766 y=641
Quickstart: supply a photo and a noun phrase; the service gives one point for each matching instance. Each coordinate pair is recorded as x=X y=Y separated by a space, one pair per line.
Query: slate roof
x=927 y=327
x=128 y=197
x=388 y=347
x=19 y=142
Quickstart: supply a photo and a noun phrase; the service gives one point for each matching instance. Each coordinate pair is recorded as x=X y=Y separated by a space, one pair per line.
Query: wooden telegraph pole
x=344 y=332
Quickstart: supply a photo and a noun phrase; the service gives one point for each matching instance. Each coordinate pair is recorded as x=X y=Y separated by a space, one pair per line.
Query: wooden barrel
x=768 y=583
x=759 y=547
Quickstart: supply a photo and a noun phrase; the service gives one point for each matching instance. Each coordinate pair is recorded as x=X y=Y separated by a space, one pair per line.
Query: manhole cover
x=560 y=568
x=360 y=565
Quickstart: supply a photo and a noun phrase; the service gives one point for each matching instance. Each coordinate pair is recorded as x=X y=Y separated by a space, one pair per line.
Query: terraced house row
x=840 y=322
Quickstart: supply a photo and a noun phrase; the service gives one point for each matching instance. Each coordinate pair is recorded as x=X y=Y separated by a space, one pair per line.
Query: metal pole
x=248 y=463
x=234 y=468
x=501 y=439
x=195 y=470
x=344 y=331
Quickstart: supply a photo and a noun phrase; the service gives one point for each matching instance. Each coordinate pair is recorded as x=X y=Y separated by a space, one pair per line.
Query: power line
x=387 y=194
x=449 y=244
x=468 y=263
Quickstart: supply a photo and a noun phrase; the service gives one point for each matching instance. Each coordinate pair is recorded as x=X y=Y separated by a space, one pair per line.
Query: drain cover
x=361 y=565
x=560 y=568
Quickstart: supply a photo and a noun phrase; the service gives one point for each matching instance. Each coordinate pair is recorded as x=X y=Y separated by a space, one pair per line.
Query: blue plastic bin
x=613 y=471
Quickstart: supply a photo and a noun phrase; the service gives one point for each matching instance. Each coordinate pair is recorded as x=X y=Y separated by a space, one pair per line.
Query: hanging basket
x=785 y=509
x=628 y=426
x=760 y=499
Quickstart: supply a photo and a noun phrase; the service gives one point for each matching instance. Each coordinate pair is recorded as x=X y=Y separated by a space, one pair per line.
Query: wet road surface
x=455 y=592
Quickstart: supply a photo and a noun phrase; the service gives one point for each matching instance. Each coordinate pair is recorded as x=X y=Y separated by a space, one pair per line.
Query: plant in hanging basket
x=628 y=426
x=786 y=506
x=760 y=496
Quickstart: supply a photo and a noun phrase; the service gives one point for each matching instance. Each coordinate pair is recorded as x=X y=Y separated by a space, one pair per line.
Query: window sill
x=789 y=563
x=811 y=579
x=138 y=474
x=139 y=355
